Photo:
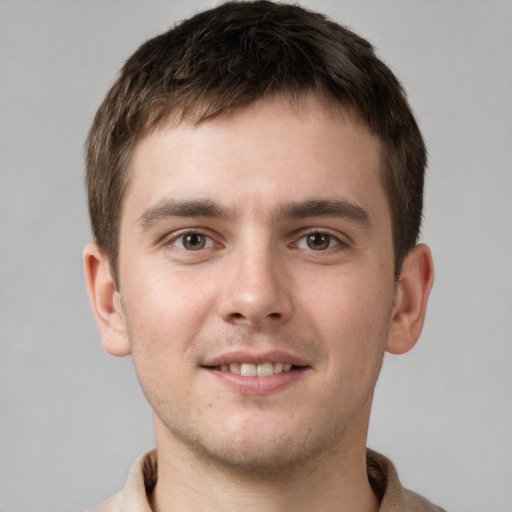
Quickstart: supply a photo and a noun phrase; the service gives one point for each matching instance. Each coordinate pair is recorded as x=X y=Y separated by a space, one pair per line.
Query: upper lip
x=274 y=356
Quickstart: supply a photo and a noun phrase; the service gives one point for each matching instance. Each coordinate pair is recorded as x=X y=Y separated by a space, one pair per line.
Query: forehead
x=267 y=153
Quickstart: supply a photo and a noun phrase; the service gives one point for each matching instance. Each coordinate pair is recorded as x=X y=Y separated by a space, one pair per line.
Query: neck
x=331 y=482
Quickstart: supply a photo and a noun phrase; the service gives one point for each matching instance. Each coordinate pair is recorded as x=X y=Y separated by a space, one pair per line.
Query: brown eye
x=193 y=241
x=318 y=241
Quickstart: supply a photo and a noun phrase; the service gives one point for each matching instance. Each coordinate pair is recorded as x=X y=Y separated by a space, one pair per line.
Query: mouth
x=249 y=364
x=260 y=375
x=256 y=370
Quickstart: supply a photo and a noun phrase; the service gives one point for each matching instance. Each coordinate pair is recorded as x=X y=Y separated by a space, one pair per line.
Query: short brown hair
x=230 y=56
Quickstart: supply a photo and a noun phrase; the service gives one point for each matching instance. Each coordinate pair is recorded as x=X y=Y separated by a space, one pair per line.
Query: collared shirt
x=381 y=474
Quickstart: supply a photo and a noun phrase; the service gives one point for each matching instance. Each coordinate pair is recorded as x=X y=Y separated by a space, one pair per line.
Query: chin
x=267 y=448
x=266 y=458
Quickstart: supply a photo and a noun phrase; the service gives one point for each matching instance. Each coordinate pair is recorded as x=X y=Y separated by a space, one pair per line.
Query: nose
x=256 y=289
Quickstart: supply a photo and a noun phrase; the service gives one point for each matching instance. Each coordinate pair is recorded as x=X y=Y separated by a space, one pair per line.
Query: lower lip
x=258 y=385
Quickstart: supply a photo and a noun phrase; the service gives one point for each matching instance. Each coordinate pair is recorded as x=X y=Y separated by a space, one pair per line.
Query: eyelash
x=179 y=240
x=332 y=241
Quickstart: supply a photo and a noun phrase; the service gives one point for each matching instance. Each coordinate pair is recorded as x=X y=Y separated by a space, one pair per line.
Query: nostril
x=240 y=316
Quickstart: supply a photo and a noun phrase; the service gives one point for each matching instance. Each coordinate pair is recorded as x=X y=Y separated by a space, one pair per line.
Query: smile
x=256 y=370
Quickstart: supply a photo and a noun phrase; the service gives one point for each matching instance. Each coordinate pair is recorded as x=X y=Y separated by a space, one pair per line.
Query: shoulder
x=394 y=497
x=140 y=483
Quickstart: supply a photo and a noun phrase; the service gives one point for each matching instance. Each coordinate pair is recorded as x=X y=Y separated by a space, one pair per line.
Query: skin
x=252 y=187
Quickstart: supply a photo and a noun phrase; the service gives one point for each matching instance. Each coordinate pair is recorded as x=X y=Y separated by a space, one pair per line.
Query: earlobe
x=413 y=289
x=105 y=301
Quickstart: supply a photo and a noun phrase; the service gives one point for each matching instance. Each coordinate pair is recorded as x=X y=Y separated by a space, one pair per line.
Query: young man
x=255 y=183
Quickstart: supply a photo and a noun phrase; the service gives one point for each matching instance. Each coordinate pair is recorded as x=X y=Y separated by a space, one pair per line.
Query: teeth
x=253 y=370
x=265 y=369
x=234 y=368
x=248 y=370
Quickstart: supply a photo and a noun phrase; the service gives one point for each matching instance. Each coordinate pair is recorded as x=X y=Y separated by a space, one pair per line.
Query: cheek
x=161 y=327
x=352 y=316
x=164 y=302
x=351 y=301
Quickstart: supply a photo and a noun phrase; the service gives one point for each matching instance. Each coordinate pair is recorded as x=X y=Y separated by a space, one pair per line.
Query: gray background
x=73 y=418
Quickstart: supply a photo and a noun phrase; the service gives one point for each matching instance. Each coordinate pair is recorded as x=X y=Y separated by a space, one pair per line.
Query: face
x=256 y=281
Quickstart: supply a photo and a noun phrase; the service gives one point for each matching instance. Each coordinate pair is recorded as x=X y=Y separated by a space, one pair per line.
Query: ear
x=413 y=289
x=105 y=301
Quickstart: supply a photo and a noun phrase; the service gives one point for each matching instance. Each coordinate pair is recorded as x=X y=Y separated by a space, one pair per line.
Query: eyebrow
x=326 y=208
x=166 y=208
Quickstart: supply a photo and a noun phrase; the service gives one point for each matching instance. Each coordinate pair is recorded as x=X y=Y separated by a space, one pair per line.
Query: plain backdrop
x=72 y=418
